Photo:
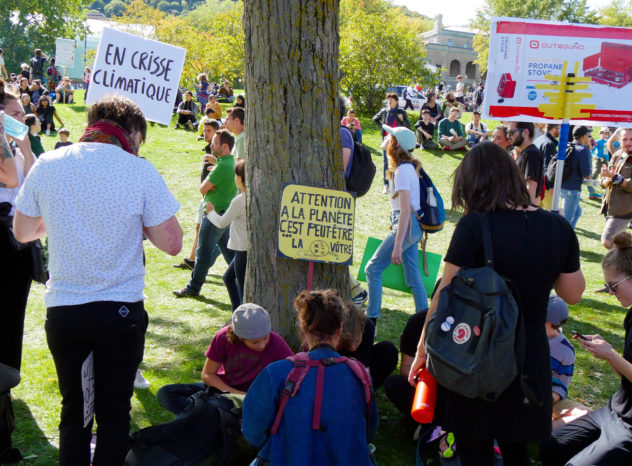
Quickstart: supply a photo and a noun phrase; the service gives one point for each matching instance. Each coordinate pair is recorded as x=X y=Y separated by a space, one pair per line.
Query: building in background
x=450 y=48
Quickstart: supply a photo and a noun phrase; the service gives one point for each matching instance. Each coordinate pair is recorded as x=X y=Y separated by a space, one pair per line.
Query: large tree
x=572 y=11
x=30 y=24
x=292 y=135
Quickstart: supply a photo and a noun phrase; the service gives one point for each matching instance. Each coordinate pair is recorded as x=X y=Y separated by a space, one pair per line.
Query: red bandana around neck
x=107 y=132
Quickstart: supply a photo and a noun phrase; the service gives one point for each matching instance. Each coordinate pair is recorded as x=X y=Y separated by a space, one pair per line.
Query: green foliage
x=114 y=8
x=377 y=50
x=30 y=24
x=572 y=11
x=617 y=13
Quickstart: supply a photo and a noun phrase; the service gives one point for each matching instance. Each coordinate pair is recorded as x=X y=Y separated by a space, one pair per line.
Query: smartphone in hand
x=579 y=335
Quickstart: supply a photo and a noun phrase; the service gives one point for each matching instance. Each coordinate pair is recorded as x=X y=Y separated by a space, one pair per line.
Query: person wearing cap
x=451 y=132
x=236 y=355
x=580 y=167
x=400 y=246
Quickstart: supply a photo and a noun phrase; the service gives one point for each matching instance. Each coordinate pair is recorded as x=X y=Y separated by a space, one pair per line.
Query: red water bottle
x=425 y=397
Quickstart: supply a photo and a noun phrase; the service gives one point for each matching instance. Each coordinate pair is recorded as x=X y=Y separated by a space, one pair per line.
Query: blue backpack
x=431 y=214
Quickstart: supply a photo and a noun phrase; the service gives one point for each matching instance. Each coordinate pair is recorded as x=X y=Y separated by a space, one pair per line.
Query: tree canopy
x=617 y=13
x=30 y=24
x=572 y=11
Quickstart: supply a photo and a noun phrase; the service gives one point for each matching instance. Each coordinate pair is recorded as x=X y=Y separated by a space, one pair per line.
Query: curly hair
x=120 y=110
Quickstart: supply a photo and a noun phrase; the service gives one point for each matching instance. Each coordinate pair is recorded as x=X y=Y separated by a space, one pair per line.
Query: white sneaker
x=48 y=132
x=140 y=381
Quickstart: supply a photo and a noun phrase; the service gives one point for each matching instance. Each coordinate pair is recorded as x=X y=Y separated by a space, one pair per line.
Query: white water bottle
x=430 y=197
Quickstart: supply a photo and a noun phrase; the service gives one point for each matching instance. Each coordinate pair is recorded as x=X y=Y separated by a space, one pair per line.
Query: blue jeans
x=209 y=238
x=357 y=136
x=410 y=261
x=572 y=210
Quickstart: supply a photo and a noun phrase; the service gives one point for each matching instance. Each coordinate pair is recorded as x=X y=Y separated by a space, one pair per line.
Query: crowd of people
x=94 y=297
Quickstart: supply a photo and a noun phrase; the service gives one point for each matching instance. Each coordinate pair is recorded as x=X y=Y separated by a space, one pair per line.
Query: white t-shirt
x=235 y=216
x=95 y=199
x=9 y=194
x=405 y=179
x=459 y=90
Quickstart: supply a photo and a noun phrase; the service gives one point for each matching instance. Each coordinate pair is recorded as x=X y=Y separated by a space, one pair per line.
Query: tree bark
x=292 y=136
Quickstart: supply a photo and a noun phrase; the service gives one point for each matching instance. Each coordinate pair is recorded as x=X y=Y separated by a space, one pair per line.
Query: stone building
x=450 y=48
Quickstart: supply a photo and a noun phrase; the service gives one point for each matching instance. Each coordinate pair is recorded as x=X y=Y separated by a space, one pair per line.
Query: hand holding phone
x=576 y=334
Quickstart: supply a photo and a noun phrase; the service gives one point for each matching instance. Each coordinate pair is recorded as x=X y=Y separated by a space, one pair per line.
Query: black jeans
x=115 y=333
x=473 y=451
x=15 y=283
x=234 y=278
x=183 y=119
x=598 y=438
x=399 y=392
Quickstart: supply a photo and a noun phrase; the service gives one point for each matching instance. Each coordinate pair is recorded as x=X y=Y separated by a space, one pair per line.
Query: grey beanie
x=251 y=321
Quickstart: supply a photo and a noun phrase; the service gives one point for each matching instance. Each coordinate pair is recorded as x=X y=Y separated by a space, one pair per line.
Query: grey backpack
x=475 y=340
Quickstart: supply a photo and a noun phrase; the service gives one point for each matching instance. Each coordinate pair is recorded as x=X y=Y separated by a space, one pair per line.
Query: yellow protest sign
x=316 y=224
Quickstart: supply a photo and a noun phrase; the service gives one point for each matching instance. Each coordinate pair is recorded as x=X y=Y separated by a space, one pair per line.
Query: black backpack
x=38 y=65
x=205 y=432
x=362 y=170
x=551 y=170
x=475 y=341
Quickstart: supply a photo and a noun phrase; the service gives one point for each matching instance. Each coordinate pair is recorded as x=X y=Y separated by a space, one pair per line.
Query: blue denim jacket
x=344 y=441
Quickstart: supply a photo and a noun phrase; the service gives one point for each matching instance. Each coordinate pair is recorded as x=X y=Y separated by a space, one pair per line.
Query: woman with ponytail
x=400 y=246
x=604 y=437
x=343 y=433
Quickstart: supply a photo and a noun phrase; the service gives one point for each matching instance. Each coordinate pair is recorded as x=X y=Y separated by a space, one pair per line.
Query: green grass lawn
x=181 y=329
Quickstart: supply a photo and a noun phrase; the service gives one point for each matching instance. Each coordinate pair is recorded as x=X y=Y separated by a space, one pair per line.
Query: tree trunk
x=292 y=136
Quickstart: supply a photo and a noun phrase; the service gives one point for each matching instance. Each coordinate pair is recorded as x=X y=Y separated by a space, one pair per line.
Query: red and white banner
x=522 y=52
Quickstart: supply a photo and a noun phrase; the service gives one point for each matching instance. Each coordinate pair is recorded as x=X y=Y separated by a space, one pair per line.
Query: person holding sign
x=400 y=246
x=95 y=319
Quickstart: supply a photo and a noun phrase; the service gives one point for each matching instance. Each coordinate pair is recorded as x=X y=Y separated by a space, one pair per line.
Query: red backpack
x=302 y=365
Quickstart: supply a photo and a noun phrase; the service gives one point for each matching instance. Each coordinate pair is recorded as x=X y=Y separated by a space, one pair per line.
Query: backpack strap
x=487 y=239
x=292 y=384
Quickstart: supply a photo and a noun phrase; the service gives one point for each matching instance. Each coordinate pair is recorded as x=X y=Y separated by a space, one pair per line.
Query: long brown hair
x=620 y=256
x=487 y=180
x=396 y=156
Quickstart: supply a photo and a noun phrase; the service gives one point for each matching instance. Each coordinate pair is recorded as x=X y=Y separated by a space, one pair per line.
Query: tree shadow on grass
x=32 y=440
x=77 y=108
x=591 y=256
x=588 y=234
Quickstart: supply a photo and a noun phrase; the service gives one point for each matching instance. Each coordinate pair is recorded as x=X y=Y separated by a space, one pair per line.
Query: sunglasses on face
x=613 y=288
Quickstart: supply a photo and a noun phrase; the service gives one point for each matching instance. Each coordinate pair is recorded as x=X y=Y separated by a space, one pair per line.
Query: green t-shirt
x=446 y=125
x=239 y=149
x=223 y=178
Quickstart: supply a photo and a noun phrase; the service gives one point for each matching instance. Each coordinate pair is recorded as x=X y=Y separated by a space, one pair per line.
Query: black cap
x=580 y=131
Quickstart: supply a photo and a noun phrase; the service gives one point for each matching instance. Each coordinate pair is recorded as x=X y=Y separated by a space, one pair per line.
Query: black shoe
x=186 y=293
x=190 y=264
x=177 y=125
x=10 y=456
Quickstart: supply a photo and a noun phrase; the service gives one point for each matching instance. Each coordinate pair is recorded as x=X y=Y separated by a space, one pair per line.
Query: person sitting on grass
x=27 y=104
x=35 y=127
x=208 y=115
x=344 y=422
x=64 y=134
x=476 y=130
x=603 y=437
x=187 y=111
x=451 y=132
x=351 y=122
x=425 y=131
x=65 y=92
x=562 y=364
x=46 y=112
x=236 y=355
x=356 y=341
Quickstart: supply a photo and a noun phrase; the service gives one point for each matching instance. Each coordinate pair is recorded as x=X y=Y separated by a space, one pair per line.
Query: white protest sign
x=144 y=70
x=523 y=52
x=65 y=52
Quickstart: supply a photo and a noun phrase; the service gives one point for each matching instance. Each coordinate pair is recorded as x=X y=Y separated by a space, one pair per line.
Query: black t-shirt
x=434 y=111
x=531 y=164
x=621 y=401
x=530 y=248
x=428 y=128
x=412 y=333
x=62 y=144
